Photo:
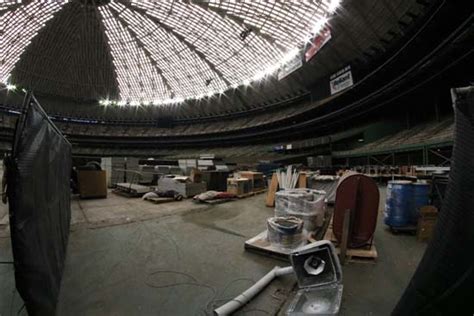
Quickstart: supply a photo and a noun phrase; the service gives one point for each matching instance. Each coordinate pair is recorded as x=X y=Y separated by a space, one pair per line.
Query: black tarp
x=38 y=174
x=443 y=283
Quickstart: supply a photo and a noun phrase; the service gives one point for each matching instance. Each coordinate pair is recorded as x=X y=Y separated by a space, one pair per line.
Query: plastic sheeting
x=305 y=204
x=443 y=283
x=38 y=176
x=285 y=232
x=327 y=184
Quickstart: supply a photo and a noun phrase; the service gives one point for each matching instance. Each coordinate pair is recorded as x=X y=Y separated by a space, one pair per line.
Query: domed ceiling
x=151 y=52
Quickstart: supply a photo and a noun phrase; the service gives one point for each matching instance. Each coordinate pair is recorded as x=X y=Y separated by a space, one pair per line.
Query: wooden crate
x=92 y=183
x=238 y=186
x=257 y=182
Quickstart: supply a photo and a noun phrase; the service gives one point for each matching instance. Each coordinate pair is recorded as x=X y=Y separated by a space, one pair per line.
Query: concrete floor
x=131 y=257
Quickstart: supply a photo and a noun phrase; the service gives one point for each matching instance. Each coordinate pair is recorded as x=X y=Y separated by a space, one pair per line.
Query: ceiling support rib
x=170 y=31
x=145 y=50
x=269 y=39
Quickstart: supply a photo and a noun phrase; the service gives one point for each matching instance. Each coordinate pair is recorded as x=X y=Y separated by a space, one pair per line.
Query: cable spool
x=286 y=232
x=360 y=195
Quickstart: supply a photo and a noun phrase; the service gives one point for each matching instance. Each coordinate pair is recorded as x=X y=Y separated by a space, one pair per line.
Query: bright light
x=235 y=85
x=260 y=75
x=318 y=26
x=134 y=103
x=290 y=55
x=11 y=87
x=246 y=82
x=121 y=103
x=273 y=68
x=333 y=5
x=157 y=102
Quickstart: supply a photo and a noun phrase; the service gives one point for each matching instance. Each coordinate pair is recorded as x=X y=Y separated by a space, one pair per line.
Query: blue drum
x=399 y=204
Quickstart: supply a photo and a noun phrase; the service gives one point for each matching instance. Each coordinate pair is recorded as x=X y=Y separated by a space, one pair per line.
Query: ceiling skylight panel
x=18 y=28
x=234 y=66
x=182 y=68
x=284 y=21
x=197 y=26
x=168 y=56
x=137 y=76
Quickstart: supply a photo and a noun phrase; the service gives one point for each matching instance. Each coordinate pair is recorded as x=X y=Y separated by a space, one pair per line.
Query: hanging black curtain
x=443 y=283
x=38 y=174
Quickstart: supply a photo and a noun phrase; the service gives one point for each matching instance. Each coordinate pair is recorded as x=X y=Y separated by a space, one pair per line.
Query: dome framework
x=151 y=52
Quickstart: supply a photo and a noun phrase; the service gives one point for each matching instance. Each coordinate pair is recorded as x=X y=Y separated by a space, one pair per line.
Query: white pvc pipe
x=233 y=305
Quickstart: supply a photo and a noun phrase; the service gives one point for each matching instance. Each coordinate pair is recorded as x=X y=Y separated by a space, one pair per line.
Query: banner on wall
x=341 y=80
x=317 y=43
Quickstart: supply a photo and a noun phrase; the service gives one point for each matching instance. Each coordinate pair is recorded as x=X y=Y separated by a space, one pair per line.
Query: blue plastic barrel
x=421 y=193
x=399 y=204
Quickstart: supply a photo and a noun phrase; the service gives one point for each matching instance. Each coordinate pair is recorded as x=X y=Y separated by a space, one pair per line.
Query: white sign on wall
x=341 y=80
x=289 y=67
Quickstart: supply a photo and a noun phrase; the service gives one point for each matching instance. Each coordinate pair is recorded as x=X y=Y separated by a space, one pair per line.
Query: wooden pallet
x=216 y=201
x=366 y=254
x=160 y=200
x=127 y=194
x=404 y=230
x=259 y=244
x=241 y=196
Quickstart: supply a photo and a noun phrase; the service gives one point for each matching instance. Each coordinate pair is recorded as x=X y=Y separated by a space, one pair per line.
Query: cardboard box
x=426 y=222
x=92 y=183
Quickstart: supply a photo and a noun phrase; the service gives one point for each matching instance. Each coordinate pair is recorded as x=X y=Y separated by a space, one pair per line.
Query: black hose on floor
x=443 y=283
